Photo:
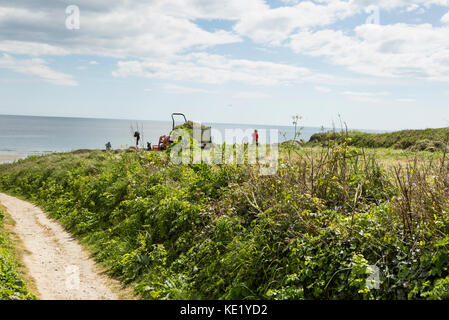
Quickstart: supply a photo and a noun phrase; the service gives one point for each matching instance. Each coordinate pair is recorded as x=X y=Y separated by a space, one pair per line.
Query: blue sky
x=378 y=64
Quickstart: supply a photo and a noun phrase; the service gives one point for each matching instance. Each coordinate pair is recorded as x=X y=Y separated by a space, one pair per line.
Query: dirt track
x=61 y=268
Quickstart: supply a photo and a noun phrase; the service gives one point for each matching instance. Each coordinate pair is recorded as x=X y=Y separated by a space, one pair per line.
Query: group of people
x=255 y=137
x=136 y=136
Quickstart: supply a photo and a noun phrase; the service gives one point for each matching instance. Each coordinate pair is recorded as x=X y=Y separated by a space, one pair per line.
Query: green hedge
x=416 y=140
x=311 y=231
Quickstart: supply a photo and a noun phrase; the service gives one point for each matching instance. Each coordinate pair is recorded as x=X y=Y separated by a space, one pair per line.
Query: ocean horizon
x=28 y=135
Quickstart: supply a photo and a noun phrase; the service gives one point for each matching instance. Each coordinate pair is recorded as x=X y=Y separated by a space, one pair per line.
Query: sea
x=29 y=135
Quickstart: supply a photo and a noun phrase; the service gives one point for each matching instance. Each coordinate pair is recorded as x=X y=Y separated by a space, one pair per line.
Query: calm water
x=35 y=135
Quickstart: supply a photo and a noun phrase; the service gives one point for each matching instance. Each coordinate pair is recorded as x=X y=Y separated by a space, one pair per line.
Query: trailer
x=166 y=140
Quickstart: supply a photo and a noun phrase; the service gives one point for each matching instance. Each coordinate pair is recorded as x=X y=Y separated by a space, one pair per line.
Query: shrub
x=314 y=230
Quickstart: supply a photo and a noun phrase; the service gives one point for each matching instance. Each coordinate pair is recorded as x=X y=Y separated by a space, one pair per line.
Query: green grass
x=384 y=155
x=416 y=140
x=12 y=285
x=314 y=230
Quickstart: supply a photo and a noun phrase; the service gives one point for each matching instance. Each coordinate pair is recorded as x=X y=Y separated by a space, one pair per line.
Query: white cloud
x=394 y=4
x=117 y=29
x=155 y=38
x=445 y=18
x=406 y=100
x=92 y=63
x=412 y=7
x=36 y=67
x=365 y=96
x=400 y=50
x=323 y=89
x=274 y=25
x=215 y=69
x=31 y=48
x=133 y=28
x=415 y=8
x=177 y=89
x=12 y=14
x=252 y=95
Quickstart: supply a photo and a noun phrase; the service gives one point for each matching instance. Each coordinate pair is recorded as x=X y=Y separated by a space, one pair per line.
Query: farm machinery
x=166 y=140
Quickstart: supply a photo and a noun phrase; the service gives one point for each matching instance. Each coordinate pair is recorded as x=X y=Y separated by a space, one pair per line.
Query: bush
x=314 y=230
x=417 y=140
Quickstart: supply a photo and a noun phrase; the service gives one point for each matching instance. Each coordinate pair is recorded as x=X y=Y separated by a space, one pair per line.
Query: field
x=335 y=222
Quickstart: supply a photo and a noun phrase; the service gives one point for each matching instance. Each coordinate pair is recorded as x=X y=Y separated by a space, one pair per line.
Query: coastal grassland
x=12 y=284
x=317 y=229
x=416 y=140
x=388 y=157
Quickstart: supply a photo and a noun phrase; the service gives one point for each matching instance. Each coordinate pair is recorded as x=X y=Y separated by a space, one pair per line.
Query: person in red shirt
x=256 y=137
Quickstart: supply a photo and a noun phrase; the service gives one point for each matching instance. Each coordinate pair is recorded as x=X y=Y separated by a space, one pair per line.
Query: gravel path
x=62 y=269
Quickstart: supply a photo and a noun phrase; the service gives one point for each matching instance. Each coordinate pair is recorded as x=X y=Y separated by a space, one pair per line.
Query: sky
x=381 y=65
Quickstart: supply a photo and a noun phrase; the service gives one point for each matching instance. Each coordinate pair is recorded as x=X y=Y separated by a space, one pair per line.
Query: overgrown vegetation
x=415 y=140
x=189 y=125
x=12 y=286
x=317 y=229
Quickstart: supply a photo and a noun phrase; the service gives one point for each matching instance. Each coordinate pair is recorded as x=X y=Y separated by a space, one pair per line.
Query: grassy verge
x=385 y=156
x=12 y=284
x=430 y=140
x=332 y=223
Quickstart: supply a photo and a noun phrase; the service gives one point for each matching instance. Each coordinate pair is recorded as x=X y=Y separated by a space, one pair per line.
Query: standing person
x=256 y=137
x=137 y=136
